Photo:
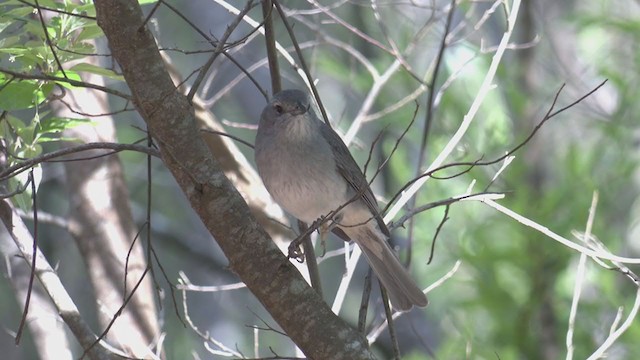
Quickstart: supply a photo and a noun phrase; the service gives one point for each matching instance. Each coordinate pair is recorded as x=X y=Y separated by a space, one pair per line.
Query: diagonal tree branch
x=257 y=261
x=51 y=283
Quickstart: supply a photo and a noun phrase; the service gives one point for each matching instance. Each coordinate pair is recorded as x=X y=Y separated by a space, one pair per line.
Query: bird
x=309 y=171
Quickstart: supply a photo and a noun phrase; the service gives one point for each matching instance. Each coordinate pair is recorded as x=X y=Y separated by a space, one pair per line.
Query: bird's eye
x=278 y=108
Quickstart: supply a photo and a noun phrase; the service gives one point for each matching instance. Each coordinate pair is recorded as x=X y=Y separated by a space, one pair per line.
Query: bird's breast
x=302 y=179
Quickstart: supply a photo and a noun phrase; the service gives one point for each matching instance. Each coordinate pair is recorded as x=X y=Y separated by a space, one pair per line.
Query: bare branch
x=457 y=136
x=219 y=48
x=580 y=276
x=77 y=83
x=22 y=166
x=52 y=285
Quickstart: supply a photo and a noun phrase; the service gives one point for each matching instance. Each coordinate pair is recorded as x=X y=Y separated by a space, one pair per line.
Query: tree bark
x=260 y=265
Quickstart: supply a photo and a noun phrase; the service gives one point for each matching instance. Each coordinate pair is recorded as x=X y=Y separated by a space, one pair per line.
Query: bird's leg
x=294 y=248
x=326 y=227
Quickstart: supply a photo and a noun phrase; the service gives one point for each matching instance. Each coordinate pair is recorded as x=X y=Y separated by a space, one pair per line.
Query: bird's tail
x=402 y=289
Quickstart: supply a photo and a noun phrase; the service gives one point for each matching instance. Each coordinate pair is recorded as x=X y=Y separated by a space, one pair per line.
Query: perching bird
x=310 y=172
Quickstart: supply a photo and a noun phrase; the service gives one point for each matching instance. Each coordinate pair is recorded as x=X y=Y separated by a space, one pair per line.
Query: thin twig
x=219 y=49
x=364 y=302
x=77 y=83
x=213 y=43
x=27 y=301
x=312 y=262
x=23 y=165
x=48 y=40
x=580 y=275
x=375 y=333
x=258 y=26
x=457 y=136
x=52 y=284
x=185 y=284
x=242 y=141
x=326 y=10
x=150 y=249
x=19 y=189
x=226 y=351
x=116 y=315
x=428 y=120
x=445 y=217
x=564 y=241
x=413 y=185
x=389 y=316
x=445 y=202
x=58 y=11
x=150 y=14
x=128 y=257
x=394 y=47
x=429 y=115
x=270 y=41
x=611 y=339
x=303 y=63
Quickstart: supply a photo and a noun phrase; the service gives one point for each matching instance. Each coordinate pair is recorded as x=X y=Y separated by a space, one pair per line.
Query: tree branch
x=51 y=283
x=268 y=274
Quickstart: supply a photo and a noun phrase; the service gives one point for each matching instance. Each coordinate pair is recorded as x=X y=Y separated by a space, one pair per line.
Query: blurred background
x=511 y=295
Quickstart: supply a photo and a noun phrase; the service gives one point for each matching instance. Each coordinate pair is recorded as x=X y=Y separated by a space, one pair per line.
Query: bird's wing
x=350 y=171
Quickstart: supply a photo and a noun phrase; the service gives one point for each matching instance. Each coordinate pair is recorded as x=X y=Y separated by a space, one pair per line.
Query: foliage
x=512 y=296
x=27 y=50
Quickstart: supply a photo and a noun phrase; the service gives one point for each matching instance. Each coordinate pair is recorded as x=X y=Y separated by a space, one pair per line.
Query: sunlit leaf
x=15 y=122
x=21 y=200
x=23 y=94
x=19 y=13
x=24 y=199
x=89 y=32
x=90 y=68
x=54 y=124
x=33 y=151
x=71 y=75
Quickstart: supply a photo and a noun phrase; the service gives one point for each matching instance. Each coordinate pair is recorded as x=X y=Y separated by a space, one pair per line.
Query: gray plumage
x=310 y=172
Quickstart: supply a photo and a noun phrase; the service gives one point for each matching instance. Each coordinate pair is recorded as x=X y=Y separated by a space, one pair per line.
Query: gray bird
x=310 y=172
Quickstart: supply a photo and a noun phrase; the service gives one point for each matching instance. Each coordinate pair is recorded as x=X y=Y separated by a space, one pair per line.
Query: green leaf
x=47 y=87
x=16 y=51
x=90 y=68
x=87 y=10
x=12 y=2
x=19 y=13
x=15 y=122
x=54 y=124
x=89 y=32
x=51 y=4
x=72 y=75
x=23 y=94
x=4 y=25
x=51 y=139
x=23 y=199
x=32 y=151
x=9 y=41
x=27 y=134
